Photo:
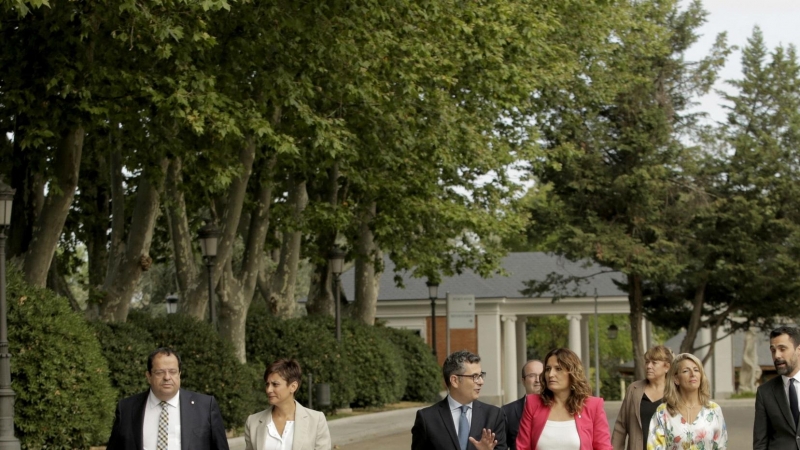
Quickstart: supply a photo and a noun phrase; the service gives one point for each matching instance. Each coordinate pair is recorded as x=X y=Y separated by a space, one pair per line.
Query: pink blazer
x=592 y=424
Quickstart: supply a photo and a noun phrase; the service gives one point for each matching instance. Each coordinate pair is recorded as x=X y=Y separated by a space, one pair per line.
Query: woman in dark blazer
x=564 y=415
x=641 y=401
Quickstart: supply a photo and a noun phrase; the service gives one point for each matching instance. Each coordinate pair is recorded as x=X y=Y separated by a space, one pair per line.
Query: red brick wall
x=459 y=339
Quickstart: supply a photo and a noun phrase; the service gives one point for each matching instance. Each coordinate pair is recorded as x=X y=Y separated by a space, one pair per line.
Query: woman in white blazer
x=286 y=424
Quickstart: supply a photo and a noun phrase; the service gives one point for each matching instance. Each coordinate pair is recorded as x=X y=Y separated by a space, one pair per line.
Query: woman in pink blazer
x=563 y=416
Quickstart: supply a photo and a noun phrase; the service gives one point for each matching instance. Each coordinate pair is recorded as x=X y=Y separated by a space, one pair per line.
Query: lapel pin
x=193 y=402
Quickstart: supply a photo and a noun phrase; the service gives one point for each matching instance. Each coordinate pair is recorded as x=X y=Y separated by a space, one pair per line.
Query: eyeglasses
x=160 y=373
x=535 y=375
x=475 y=376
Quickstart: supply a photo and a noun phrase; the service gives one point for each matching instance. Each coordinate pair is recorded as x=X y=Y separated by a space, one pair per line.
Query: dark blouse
x=646 y=411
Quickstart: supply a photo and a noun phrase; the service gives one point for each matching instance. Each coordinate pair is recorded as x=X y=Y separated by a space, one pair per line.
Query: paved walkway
x=391 y=430
x=360 y=428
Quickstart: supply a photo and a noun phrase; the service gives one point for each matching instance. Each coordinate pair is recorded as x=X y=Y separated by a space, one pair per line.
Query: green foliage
x=311 y=341
x=125 y=347
x=378 y=367
x=424 y=381
x=63 y=396
x=209 y=364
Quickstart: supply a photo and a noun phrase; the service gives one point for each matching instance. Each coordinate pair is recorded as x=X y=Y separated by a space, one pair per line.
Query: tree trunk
x=687 y=345
x=236 y=293
x=120 y=287
x=29 y=198
x=320 y=291
x=368 y=257
x=636 y=303
x=282 y=301
x=57 y=284
x=49 y=224
x=186 y=270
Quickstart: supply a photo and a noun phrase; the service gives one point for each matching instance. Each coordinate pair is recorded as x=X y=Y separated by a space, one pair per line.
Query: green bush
x=125 y=347
x=61 y=380
x=375 y=363
x=424 y=373
x=209 y=364
x=310 y=340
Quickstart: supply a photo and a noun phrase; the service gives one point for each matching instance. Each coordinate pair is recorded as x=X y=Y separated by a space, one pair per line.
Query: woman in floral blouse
x=688 y=419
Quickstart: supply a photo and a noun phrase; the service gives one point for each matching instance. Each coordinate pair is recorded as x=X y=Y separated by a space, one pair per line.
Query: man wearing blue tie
x=460 y=421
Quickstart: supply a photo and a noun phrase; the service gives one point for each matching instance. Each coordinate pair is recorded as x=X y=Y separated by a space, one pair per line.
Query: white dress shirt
x=152 y=412
x=796 y=385
x=455 y=410
x=276 y=441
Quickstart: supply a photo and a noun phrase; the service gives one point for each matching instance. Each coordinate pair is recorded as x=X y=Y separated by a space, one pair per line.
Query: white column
x=509 y=358
x=522 y=352
x=489 y=347
x=723 y=367
x=574 y=333
x=585 y=354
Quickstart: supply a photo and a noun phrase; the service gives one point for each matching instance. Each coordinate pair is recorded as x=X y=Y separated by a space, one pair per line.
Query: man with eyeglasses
x=460 y=421
x=167 y=417
x=531 y=373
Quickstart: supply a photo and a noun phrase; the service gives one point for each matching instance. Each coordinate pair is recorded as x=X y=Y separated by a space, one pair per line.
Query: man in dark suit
x=167 y=417
x=777 y=412
x=460 y=421
x=531 y=372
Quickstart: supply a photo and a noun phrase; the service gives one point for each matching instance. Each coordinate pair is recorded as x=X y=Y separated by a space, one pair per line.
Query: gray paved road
x=738 y=418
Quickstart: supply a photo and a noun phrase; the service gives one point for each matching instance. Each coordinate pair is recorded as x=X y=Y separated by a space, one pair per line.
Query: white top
x=455 y=410
x=275 y=441
x=559 y=436
x=152 y=412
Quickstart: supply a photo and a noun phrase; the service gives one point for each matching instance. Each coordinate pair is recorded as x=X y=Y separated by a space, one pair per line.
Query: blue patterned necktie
x=163 y=428
x=463 y=428
x=793 y=400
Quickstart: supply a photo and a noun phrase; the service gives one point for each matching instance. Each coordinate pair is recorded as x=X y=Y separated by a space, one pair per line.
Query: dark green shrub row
x=372 y=366
x=209 y=364
x=61 y=380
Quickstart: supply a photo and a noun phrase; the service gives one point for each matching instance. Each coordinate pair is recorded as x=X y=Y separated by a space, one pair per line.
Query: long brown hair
x=672 y=394
x=579 y=386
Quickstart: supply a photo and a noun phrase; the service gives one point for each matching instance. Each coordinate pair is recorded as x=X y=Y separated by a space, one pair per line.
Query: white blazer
x=310 y=430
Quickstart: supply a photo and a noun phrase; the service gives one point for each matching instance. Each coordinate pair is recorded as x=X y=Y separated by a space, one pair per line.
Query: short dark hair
x=166 y=351
x=454 y=364
x=288 y=369
x=792 y=332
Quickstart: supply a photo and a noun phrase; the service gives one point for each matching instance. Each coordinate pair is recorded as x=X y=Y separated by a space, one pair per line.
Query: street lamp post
x=433 y=294
x=209 y=236
x=7 y=438
x=596 y=349
x=336 y=262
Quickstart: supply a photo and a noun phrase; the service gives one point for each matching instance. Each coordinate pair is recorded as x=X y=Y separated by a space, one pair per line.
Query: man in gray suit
x=777 y=411
x=531 y=374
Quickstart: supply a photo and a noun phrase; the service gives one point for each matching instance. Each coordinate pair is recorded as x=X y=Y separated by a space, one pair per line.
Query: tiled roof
x=520 y=267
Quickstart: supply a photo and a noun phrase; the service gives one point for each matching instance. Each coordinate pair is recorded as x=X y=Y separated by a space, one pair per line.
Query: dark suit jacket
x=201 y=423
x=434 y=428
x=773 y=426
x=513 y=413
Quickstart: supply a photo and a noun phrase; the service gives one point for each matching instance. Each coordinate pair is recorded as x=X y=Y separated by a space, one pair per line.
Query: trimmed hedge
x=209 y=364
x=125 y=347
x=61 y=380
x=310 y=340
x=424 y=373
x=378 y=367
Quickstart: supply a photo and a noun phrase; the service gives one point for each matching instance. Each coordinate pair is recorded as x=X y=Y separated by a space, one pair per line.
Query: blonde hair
x=579 y=386
x=672 y=394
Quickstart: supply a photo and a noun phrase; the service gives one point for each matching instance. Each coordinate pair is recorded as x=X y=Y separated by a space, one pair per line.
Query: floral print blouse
x=669 y=432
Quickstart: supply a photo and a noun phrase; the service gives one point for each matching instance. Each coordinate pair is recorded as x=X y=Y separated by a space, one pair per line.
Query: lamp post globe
x=209 y=236
x=433 y=294
x=7 y=439
x=336 y=264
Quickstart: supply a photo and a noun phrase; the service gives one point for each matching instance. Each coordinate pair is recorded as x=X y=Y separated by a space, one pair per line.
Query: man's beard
x=787 y=368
